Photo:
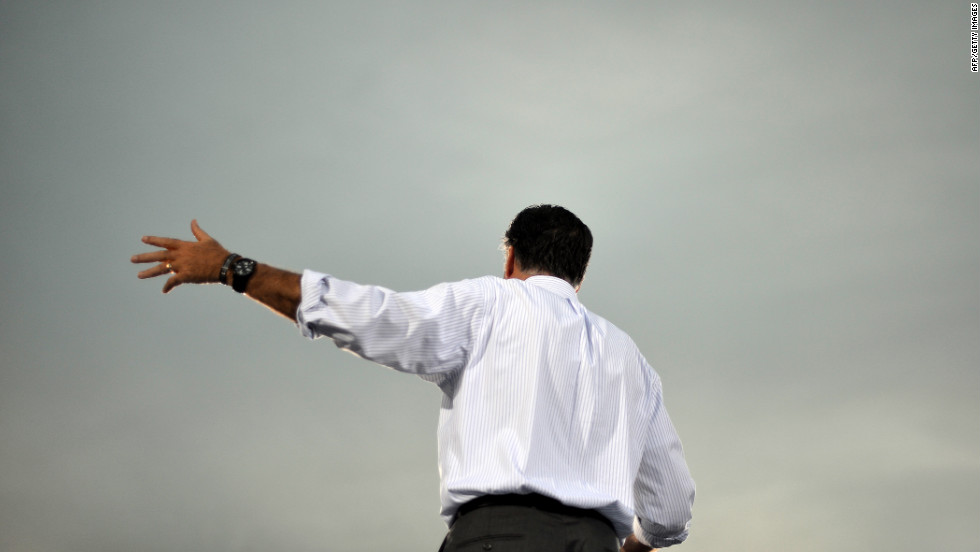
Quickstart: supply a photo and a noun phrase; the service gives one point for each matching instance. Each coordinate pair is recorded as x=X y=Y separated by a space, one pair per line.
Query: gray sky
x=785 y=200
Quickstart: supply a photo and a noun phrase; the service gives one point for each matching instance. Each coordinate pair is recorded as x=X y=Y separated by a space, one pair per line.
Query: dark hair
x=551 y=239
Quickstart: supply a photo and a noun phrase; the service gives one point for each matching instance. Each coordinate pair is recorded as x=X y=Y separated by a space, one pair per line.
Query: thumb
x=200 y=234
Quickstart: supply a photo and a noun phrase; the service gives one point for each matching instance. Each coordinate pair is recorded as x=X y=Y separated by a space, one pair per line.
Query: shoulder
x=467 y=294
x=491 y=287
x=611 y=331
x=483 y=286
x=616 y=339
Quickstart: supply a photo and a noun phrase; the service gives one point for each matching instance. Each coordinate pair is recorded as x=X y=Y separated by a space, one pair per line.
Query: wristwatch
x=223 y=274
x=242 y=271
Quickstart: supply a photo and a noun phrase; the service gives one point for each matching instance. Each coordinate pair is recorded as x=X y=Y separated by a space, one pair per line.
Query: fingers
x=158 y=270
x=151 y=257
x=198 y=260
x=166 y=243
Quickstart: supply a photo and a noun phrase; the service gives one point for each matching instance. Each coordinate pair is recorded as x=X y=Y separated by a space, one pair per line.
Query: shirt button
x=488 y=546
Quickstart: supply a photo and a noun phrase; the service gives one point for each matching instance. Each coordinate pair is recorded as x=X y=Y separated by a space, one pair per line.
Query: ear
x=509 y=263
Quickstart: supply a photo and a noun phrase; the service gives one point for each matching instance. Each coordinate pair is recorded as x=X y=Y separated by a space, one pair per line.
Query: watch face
x=244 y=267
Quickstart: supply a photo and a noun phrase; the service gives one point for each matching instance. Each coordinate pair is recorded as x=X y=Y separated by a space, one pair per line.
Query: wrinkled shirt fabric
x=539 y=394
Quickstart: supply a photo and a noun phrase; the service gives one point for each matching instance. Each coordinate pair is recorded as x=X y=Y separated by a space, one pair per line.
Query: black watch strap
x=223 y=275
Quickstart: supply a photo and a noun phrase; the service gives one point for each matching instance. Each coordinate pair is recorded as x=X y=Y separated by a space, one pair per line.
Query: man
x=552 y=434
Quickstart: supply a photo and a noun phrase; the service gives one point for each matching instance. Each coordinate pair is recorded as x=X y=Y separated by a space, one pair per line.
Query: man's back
x=553 y=400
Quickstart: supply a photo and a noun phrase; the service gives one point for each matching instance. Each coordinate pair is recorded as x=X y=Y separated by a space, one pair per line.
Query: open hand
x=189 y=262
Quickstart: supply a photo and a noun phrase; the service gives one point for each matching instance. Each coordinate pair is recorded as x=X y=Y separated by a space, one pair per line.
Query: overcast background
x=785 y=200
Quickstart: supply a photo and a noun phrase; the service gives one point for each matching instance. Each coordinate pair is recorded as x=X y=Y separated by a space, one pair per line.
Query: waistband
x=533 y=500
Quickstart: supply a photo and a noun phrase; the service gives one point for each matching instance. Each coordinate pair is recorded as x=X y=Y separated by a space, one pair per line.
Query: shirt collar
x=554 y=285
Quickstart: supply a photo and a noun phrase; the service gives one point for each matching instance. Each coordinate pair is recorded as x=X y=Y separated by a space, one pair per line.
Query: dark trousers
x=528 y=523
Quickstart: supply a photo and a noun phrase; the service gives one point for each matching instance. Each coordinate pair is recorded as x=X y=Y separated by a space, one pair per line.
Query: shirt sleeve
x=664 y=489
x=424 y=332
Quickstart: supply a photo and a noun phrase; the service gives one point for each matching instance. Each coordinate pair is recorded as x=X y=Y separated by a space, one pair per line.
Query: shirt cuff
x=654 y=541
x=313 y=286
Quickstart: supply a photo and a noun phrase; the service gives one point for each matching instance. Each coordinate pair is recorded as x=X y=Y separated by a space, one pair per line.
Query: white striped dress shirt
x=539 y=394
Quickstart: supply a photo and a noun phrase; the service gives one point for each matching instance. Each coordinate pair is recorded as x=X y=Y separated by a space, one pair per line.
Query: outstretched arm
x=199 y=262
